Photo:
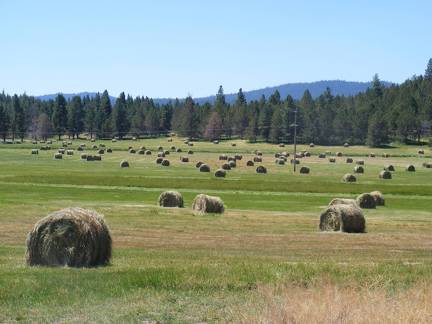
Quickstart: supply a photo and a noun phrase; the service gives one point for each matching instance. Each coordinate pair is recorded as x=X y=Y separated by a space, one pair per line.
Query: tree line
x=374 y=117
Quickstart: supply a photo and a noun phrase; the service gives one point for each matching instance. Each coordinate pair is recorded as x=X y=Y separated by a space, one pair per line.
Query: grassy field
x=171 y=266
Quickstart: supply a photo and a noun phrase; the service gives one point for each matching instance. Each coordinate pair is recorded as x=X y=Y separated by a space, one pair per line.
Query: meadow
x=170 y=265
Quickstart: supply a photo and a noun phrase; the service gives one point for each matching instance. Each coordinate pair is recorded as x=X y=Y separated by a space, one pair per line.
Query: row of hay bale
x=202 y=204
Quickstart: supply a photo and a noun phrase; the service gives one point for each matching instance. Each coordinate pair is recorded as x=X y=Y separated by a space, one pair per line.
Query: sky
x=170 y=48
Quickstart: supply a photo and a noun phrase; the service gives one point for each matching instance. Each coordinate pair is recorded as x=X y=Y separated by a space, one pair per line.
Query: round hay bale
x=360 y=162
x=49 y=142
x=358 y=169
x=141 y=152
x=109 y=150
x=250 y=163
x=165 y=162
x=307 y=154
x=101 y=151
x=132 y=151
x=124 y=164
x=349 y=178
x=344 y=218
x=223 y=157
x=322 y=156
x=95 y=147
x=184 y=159
x=220 y=173
x=171 y=199
x=421 y=152
x=61 y=151
x=204 y=168
x=58 y=156
x=280 y=161
x=198 y=164
x=427 y=165
x=72 y=237
x=178 y=150
x=277 y=155
x=285 y=154
x=142 y=148
x=378 y=197
x=238 y=157
x=332 y=160
x=346 y=145
x=349 y=160
x=389 y=167
x=384 y=174
x=257 y=159
x=148 y=152
x=34 y=151
x=233 y=144
x=161 y=154
x=167 y=152
x=339 y=154
x=134 y=138
x=113 y=140
x=159 y=160
x=90 y=158
x=203 y=204
x=170 y=139
x=299 y=155
x=261 y=169
x=97 y=158
x=386 y=155
x=281 y=145
x=173 y=148
x=295 y=161
x=69 y=152
x=190 y=144
x=226 y=166
x=343 y=201
x=34 y=142
x=83 y=156
x=366 y=200
x=304 y=170
x=160 y=148
x=102 y=145
x=232 y=164
x=80 y=148
x=328 y=153
x=311 y=145
x=259 y=153
x=190 y=152
x=410 y=168
x=372 y=155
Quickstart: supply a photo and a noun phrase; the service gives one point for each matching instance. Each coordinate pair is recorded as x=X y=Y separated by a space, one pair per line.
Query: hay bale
x=389 y=167
x=257 y=159
x=349 y=178
x=204 y=168
x=349 y=160
x=372 y=155
x=69 y=152
x=203 y=204
x=231 y=158
x=226 y=166
x=238 y=157
x=259 y=153
x=178 y=150
x=167 y=152
x=378 y=197
x=280 y=161
x=90 y=158
x=311 y=145
x=173 y=148
x=233 y=144
x=220 y=173
x=304 y=170
x=102 y=145
x=250 y=163
x=97 y=158
x=386 y=155
x=80 y=148
x=332 y=160
x=346 y=145
x=215 y=142
x=322 y=156
x=165 y=162
x=132 y=151
x=277 y=155
x=366 y=200
x=421 y=152
x=113 y=140
x=223 y=157
x=427 y=165
x=339 y=154
x=109 y=150
x=328 y=152
x=360 y=162
x=198 y=164
x=285 y=154
x=344 y=218
x=34 y=151
x=61 y=151
x=410 y=168
x=84 y=156
x=72 y=237
x=58 y=156
x=148 y=152
x=49 y=142
x=190 y=144
x=134 y=138
x=141 y=152
x=307 y=154
x=190 y=152
x=124 y=164
x=161 y=154
x=101 y=151
x=261 y=169
x=171 y=199
x=294 y=161
x=384 y=174
x=159 y=160
x=358 y=169
x=160 y=148
x=184 y=159
x=343 y=201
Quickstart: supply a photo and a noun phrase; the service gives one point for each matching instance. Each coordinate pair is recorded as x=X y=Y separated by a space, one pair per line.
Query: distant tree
x=138 y=121
x=240 y=118
x=152 y=122
x=428 y=72
x=60 y=115
x=90 y=108
x=275 y=98
x=120 y=121
x=189 y=120
x=377 y=134
x=4 y=122
x=43 y=128
x=18 y=119
x=252 y=130
x=104 y=120
x=75 y=121
x=377 y=86
x=213 y=129
x=276 y=128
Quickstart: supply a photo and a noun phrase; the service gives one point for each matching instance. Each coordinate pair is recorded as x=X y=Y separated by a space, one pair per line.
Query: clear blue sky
x=180 y=47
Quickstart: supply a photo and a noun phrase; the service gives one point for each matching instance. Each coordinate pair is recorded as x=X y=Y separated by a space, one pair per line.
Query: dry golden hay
x=257 y=159
x=349 y=178
x=226 y=166
x=223 y=157
x=250 y=163
x=220 y=173
x=379 y=198
x=132 y=151
x=332 y=160
x=360 y=162
x=124 y=164
x=204 y=168
x=366 y=200
x=184 y=159
x=410 y=168
x=159 y=160
x=322 y=156
x=349 y=160
x=358 y=169
x=34 y=151
x=339 y=154
x=171 y=199
x=72 y=237
x=58 y=156
x=304 y=170
x=203 y=204
x=165 y=162
x=343 y=201
x=198 y=164
x=280 y=161
x=261 y=169
x=389 y=167
x=344 y=217
x=232 y=164
x=385 y=174
x=311 y=145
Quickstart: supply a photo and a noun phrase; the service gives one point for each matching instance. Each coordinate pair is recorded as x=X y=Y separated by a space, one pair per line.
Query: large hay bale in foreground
x=366 y=200
x=220 y=173
x=304 y=170
x=343 y=201
x=384 y=174
x=344 y=218
x=207 y=204
x=72 y=237
x=410 y=168
x=378 y=197
x=261 y=169
x=171 y=199
x=204 y=168
x=349 y=178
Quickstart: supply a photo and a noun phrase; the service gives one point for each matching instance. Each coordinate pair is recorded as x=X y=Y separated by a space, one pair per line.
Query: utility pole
x=295 y=138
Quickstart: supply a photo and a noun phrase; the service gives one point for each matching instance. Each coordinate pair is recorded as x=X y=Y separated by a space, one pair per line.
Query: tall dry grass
x=332 y=304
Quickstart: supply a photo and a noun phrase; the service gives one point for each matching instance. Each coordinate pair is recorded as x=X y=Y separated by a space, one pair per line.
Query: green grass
x=172 y=266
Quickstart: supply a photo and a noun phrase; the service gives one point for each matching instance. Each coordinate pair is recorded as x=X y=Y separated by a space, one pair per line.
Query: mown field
x=169 y=265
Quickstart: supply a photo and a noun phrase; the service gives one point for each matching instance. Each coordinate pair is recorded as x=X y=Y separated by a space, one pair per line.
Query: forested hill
x=296 y=90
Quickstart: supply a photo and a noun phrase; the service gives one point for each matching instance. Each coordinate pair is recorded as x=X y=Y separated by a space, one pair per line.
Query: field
x=248 y=265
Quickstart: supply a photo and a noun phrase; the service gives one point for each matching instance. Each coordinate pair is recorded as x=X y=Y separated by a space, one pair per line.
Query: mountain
x=296 y=90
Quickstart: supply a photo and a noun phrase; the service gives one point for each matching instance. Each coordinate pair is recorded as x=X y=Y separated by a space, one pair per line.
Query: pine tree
x=276 y=128
x=120 y=122
x=60 y=115
x=4 y=122
x=104 y=120
x=240 y=118
x=377 y=131
x=75 y=117
x=90 y=108
x=213 y=129
x=43 y=126
x=189 y=120
x=18 y=119
x=428 y=72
